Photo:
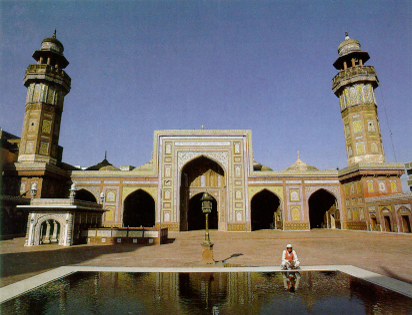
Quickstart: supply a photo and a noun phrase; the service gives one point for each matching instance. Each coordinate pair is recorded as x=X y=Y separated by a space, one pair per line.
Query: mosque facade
x=247 y=196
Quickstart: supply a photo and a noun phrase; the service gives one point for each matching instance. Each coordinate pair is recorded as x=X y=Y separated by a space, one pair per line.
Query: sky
x=265 y=66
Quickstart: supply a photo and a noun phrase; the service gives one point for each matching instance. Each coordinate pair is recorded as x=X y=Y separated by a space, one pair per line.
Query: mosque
x=166 y=191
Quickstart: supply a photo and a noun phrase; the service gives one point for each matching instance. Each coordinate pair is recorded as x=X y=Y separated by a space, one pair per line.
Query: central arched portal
x=198 y=176
x=323 y=212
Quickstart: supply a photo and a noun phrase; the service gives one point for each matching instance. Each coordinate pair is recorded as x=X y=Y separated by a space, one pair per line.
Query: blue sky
x=140 y=66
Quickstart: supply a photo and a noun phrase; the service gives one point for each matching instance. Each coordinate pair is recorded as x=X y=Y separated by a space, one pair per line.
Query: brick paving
x=389 y=254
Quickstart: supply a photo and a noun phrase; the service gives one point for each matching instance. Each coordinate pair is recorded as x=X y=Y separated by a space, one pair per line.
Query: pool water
x=304 y=292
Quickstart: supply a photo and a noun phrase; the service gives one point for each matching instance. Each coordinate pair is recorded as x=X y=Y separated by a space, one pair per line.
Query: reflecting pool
x=304 y=292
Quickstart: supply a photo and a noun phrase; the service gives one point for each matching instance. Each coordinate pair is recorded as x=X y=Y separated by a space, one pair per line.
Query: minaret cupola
x=51 y=53
x=350 y=54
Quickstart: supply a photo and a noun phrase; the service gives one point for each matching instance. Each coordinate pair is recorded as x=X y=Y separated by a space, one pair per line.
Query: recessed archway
x=49 y=232
x=322 y=210
x=198 y=176
x=195 y=216
x=263 y=205
x=85 y=195
x=139 y=210
x=387 y=223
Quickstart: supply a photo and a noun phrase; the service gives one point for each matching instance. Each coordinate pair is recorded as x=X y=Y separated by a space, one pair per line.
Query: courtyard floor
x=388 y=254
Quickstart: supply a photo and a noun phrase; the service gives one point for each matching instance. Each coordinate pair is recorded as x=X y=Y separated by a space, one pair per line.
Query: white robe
x=285 y=263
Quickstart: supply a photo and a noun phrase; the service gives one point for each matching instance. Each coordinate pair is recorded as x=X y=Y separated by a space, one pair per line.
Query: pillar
x=47 y=237
x=54 y=237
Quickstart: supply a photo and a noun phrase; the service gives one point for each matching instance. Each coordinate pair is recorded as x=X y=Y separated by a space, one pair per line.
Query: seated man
x=289 y=258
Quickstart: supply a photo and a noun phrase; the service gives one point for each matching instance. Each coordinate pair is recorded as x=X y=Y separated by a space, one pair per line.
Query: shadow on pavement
x=37 y=261
x=393 y=275
x=232 y=256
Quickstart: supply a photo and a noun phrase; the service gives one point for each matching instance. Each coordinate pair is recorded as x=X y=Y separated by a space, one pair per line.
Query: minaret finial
x=298 y=156
x=105 y=155
x=346 y=36
x=54 y=33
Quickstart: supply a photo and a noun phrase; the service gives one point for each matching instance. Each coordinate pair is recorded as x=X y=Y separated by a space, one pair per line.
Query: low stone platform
x=111 y=236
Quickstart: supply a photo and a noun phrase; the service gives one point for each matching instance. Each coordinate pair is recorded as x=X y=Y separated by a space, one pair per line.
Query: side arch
x=277 y=190
x=404 y=216
x=94 y=190
x=334 y=190
x=139 y=209
x=85 y=195
x=387 y=219
x=322 y=209
x=152 y=191
x=265 y=210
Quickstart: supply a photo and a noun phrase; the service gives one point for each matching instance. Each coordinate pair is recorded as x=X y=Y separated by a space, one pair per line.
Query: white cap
x=289 y=245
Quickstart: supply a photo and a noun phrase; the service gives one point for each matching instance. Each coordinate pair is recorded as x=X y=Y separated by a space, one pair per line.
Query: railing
x=353 y=72
x=47 y=69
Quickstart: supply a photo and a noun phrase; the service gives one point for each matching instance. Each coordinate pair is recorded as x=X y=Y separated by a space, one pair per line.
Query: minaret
x=354 y=85
x=47 y=85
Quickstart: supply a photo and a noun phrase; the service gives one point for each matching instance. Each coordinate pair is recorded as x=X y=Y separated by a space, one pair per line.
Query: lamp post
x=207 y=254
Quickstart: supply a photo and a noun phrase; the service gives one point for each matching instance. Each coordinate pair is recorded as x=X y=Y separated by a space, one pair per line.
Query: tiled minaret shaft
x=47 y=85
x=354 y=85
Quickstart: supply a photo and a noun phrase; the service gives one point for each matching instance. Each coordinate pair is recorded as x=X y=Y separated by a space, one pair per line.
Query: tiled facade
x=185 y=163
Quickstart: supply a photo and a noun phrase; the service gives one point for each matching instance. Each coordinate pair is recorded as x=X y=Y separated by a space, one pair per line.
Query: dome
x=104 y=165
x=300 y=166
x=109 y=168
x=348 y=46
x=52 y=43
x=259 y=167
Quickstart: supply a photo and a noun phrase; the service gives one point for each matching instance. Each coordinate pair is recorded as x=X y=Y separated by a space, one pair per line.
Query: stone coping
x=18 y=288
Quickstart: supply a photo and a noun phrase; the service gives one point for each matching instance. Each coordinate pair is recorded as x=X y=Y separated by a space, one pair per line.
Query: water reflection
x=209 y=293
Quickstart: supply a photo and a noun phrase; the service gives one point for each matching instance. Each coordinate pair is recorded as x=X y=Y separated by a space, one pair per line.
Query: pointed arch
x=85 y=195
x=276 y=190
x=323 y=212
x=198 y=175
x=139 y=209
x=265 y=206
x=205 y=155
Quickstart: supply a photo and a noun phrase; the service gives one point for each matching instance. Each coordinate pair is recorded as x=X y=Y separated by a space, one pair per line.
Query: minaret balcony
x=38 y=72
x=353 y=75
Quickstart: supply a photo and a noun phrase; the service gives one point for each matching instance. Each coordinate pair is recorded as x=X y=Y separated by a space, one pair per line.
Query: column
x=47 y=238
x=54 y=237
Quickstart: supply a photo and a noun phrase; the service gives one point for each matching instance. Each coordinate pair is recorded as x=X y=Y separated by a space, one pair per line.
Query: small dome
x=104 y=165
x=259 y=167
x=52 y=43
x=266 y=168
x=109 y=168
x=348 y=46
x=300 y=166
